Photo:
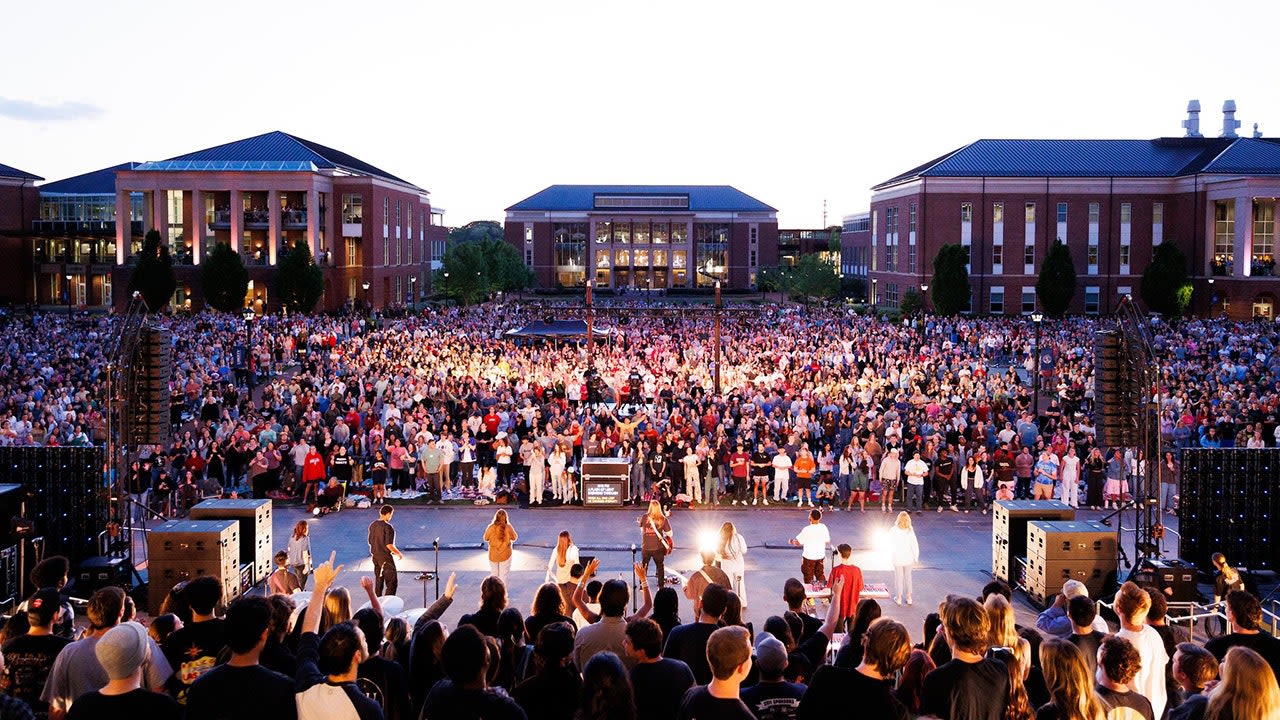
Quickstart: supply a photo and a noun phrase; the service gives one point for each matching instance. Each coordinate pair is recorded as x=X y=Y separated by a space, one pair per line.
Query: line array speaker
x=1227 y=503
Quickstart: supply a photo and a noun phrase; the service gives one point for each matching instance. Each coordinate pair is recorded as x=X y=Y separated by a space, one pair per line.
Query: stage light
x=708 y=540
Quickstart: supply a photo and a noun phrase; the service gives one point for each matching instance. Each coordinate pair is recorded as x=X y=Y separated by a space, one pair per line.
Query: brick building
x=644 y=236
x=1110 y=201
x=19 y=205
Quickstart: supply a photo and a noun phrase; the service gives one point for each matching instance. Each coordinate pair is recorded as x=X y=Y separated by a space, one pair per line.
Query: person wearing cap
x=1055 y=621
x=772 y=698
x=77 y=669
x=122 y=651
x=29 y=658
x=659 y=682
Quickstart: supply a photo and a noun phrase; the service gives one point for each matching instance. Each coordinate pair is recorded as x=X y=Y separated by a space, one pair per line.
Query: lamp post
x=924 y=296
x=875 y=297
x=591 y=340
x=367 y=306
x=68 y=277
x=719 y=307
x=1036 y=317
x=413 y=292
x=1213 y=297
x=248 y=315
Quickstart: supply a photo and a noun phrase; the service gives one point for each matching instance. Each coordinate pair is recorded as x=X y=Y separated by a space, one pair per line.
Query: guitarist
x=657 y=539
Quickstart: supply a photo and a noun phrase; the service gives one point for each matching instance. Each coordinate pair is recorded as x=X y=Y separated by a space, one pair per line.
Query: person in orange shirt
x=805 y=467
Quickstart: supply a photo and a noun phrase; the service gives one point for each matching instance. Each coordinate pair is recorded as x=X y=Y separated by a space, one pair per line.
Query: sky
x=483 y=103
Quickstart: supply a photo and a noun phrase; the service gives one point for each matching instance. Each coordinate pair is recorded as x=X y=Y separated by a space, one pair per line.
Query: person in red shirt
x=492 y=421
x=739 y=463
x=313 y=473
x=851 y=590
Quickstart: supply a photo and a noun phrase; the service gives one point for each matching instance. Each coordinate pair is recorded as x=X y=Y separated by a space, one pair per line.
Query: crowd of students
x=586 y=658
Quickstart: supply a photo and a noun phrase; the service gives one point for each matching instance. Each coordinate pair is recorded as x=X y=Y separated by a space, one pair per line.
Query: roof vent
x=1229 y=122
x=1192 y=123
x=1256 y=132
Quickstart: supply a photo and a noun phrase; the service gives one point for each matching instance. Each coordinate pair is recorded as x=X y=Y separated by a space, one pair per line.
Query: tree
x=299 y=281
x=950 y=283
x=912 y=303
x=1057 y=284
x=1165 y=288
x=811 y=277
x=224 y=279
x=153 y=275
x=476 y=230
x=470 y=271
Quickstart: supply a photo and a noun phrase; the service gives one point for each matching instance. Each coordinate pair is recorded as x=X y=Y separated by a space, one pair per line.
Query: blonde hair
x=562 y=548
x=1067 y=677
x=1248 y=688
x=337 y=608
x=1132 y=602
x=1003 y=632
x=903 y=516
x=655 y=510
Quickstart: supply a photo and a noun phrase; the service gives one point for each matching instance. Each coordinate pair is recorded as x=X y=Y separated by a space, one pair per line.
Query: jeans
x=1168 y=491
x=659 y=558
x=1071 y=492
x=1023 y=488
x=500 y=569
x=915 y=497
x=902 y=582
x=711 y=488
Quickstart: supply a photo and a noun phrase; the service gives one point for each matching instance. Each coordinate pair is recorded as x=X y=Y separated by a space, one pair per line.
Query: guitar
x=664 y=537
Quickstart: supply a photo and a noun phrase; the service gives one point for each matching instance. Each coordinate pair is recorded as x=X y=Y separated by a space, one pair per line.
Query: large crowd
x=818 y=406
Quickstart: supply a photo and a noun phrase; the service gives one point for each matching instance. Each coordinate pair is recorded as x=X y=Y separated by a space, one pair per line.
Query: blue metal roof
x=273 y=151
x=1162 y=157
x=98 y=182
x=705 y=198
x=1248 y=156
x=13 y=172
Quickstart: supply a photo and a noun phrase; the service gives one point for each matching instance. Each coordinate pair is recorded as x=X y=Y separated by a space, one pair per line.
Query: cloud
x=29 y=111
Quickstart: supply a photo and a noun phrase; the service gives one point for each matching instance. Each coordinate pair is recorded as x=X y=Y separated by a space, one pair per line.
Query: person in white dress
x=904 y=551
x=693 y=486
x=537 y=474
x=1071 y=477
x=732 y=556
x=556 y=463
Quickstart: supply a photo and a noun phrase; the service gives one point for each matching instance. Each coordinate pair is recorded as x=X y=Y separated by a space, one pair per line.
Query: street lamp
x=68 y=277
x=248 y=315
x=413 y=292
x=924 y=296
x=1036 y=317
x=875 y=297
x=1213 y=297
x=367 y=307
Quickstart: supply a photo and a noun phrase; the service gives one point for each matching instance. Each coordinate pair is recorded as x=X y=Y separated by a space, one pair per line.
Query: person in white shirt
x=781 y=474
x=1071 y=477
x=813 y=541
x=904 y=552
x=731 y=554
x=916 y=470
x=1132 y=605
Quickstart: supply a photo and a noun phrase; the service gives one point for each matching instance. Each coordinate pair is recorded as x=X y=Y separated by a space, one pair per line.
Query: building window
x=997 y=259
x=1091 y=300
x=528 y=234
x=386 y=214
x=386 y=251
x=1030 y=213
x=997 y=212
x=1062 y=212
x=1124 y=259
x=1126 y=213
x=1029 y=257
x=1093 y=258
x=353 y=251
x=1224 y=234
x=604 y=231
x=1028 y=300
x=911 y=258
x=1157 y=224
x=352 y=208
x=966 y=212
x=911 y=217
x=996 y=304
x=1264 y=238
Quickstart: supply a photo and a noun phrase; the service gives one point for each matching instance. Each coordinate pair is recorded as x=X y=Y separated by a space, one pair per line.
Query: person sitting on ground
x=1193 y=668
x=772 y=697
x=728 y=654
x=1118 y=664
x=660 y=683
x=328 y=499
x=122 y=651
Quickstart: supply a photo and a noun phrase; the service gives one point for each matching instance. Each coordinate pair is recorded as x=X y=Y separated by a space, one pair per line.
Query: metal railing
x=1197 y=612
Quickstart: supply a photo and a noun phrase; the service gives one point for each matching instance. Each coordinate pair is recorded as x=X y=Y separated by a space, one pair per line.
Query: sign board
x=600 y=492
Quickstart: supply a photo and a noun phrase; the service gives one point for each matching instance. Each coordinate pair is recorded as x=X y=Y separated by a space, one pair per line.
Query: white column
x=160 y=206
x=124 y=226
x=148 y=210
x=313 y=222
x=197 y=226
x=237 y=223
x=273 y=224
x=1242 y=245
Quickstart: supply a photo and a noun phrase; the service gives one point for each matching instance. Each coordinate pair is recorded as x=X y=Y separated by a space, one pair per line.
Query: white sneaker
x=810 y=504
x=766 y=502
x=799 y=503
x=755 y=501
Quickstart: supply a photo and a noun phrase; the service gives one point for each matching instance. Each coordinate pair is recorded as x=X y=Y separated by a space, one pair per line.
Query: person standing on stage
x=382 y=546
x=904 y=553
x=814 y=539
x=731 y=555
x=657 y=540
x=500 y=535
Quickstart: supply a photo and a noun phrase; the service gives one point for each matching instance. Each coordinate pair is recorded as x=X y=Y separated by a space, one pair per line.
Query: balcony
x=221 y=220
x=293 y=219
x=1262 y=266
x=256 y=219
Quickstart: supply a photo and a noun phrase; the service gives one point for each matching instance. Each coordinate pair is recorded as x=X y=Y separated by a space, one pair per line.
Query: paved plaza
x=955 y=550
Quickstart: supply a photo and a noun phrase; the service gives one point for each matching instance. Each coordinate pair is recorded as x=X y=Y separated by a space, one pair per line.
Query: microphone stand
x=635 y=585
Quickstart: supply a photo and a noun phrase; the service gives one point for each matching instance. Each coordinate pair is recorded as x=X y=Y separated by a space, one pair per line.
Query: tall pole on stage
x=719 y=307
x=591 y=339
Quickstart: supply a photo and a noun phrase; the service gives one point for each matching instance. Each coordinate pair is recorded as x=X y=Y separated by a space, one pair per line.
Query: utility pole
x=719 y=307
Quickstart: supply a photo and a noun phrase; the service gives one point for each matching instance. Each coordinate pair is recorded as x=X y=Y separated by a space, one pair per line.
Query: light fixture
x=247 y=314
x=1210 y=281
x=924 y=287
x=1036 y=317
x=365 y=285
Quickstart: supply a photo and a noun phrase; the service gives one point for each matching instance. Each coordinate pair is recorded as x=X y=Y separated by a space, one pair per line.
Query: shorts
x=859 y=482
x=804 y=484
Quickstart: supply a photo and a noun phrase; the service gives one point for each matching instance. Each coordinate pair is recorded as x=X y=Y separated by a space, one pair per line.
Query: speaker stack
x=147 y=404
x=254 y=517
x=180 y=550
x=1117 y=391
x=1058 y=551
x=65 y=494
x=1227 y=503
x=1009 y=531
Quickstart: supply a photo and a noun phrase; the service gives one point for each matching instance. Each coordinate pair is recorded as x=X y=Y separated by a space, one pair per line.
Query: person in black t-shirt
x=121 y=651
x=1119 y=661
x=886 y=647
x=1082 y=611
x=660 y=683
x=772 y=698
x=1244 y=613
x=464 y=693
x=688 y=643
x=385 y=676
x=382 y=547
x=193 y=650
x=729 y=654
x=29 y=658
x=969 y=686
x=552 y=693
x=241 y=688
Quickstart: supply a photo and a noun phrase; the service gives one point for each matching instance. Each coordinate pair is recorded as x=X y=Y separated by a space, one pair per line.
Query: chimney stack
x=1229 y=122
x=1192 y=123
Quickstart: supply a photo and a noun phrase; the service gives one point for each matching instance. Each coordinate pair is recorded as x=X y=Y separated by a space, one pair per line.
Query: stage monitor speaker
x=254 y=518
x=1175 y=578
x=180 y=550
x=1009 y=530
x=99 y=572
